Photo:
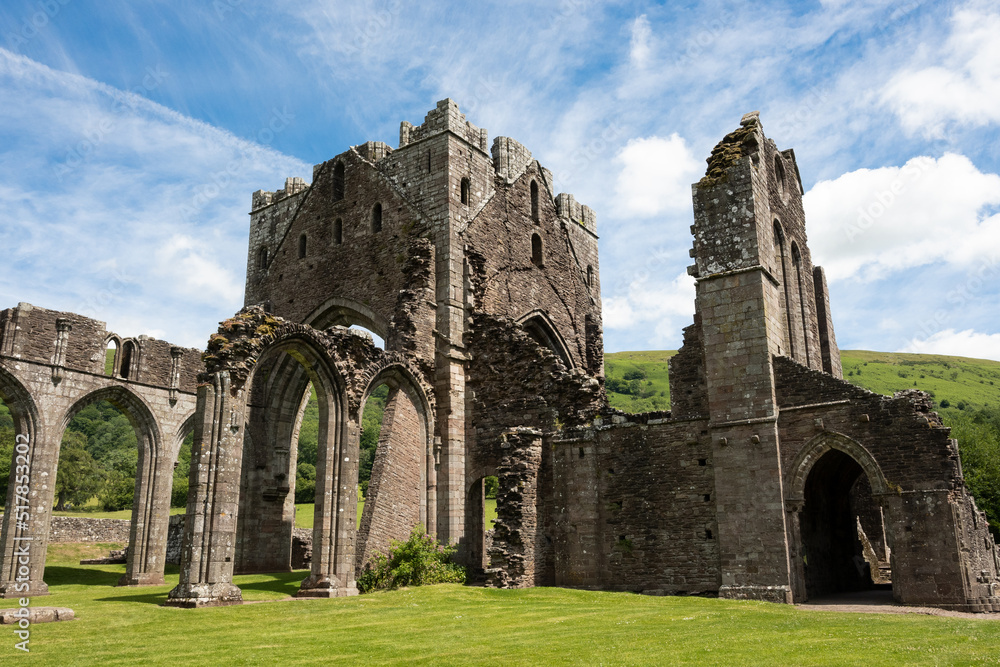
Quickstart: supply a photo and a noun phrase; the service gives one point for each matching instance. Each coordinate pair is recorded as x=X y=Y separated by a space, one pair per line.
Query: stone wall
x=64 y=529
x=393 y=501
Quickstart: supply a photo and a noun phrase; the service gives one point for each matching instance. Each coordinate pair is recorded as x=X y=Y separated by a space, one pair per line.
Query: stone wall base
x=782 y=594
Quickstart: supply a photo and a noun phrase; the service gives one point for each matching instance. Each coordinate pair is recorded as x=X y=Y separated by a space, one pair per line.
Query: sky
x=132 y=135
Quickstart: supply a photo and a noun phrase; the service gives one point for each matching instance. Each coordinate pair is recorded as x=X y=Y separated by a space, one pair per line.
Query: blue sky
x=133 y=134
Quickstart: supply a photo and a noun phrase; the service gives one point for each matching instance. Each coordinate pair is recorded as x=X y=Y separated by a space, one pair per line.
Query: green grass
x=975 y=382
x=304 y=513
x=656 y=383
x=451 y=624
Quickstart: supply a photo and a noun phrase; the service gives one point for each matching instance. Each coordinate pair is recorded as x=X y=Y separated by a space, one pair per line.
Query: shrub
x=945 y=403
x=179 y=494
x=419 y=561
x=117 y=493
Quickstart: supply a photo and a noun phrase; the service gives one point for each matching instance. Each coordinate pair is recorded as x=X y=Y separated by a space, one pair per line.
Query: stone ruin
x=771 y=478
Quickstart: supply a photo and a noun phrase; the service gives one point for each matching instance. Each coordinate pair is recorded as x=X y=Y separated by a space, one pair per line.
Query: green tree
x=179 y=491
x=78 y=476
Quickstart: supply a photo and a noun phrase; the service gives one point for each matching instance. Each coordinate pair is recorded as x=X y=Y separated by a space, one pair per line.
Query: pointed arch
x=338 y=181
x=535 y=215
x=538 y=325
x=781 y=256
x=339 y=311
x=800 y=290
x=812 y=451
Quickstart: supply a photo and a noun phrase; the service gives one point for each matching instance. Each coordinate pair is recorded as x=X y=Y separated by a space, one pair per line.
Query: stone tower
x=758 y=297
x=395 y=240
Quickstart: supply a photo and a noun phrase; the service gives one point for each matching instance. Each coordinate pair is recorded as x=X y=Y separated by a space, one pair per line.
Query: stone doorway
x=838 y=517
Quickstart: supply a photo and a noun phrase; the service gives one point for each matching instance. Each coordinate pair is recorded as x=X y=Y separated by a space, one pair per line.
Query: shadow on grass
x=59 y=575
x=144 y=598
x=284 y=583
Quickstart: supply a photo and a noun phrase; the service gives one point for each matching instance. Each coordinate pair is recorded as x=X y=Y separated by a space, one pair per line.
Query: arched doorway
x=841 y=542
x=401 y=492
x=138 y=472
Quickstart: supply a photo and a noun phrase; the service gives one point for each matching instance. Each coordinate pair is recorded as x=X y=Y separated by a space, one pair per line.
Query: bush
x=179 y=494
x=945 y=403
x=419 y=561
x=118 y=492
x=305 y=483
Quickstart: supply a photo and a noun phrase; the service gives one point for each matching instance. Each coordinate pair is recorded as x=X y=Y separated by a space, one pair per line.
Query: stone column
x=213 y=499
x=335 y=519
x=515 y=534
x=27 y=515
x=150 y=518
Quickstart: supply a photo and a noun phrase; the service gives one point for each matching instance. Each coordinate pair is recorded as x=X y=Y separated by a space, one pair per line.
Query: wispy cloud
x=100 y=185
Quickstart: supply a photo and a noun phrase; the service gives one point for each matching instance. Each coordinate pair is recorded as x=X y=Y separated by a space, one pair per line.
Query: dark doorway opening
x=838 y=500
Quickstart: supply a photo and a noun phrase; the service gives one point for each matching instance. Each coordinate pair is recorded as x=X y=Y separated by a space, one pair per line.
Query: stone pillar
x=335 y=519
x=512 y=555
x=150 y=518
x=27 y=515
x=213 y=499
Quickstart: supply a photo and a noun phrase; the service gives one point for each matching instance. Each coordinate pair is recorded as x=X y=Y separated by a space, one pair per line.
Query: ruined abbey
x=771 y=478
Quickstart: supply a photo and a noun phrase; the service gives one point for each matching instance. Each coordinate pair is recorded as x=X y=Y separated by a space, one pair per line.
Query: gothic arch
x=538 y=325
x=153 y=482
x=408 y=461
x=812 y=451
x=345 y=312
x=21 y=405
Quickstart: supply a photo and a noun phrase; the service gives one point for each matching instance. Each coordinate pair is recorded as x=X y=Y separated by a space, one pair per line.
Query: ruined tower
x=412 y=244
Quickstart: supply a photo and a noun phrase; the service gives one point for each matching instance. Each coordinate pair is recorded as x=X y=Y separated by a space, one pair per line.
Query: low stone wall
x=83 y=529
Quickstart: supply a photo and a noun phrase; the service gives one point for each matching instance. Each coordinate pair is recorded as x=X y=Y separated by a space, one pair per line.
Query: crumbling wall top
x=446 y=117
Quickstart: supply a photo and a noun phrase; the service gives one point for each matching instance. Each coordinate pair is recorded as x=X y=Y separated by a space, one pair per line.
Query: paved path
x=880 y=602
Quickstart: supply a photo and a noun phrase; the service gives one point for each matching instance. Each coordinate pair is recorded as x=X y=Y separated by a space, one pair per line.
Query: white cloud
x=967 y=343
x=121 y=209
x=656 y=176
x=661 y=308
x=872 y=222
x=958 y=82
x=640 y=51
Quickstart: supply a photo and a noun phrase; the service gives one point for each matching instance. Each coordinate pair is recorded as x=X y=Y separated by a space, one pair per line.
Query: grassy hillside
x=638 y=381
x=956 y=382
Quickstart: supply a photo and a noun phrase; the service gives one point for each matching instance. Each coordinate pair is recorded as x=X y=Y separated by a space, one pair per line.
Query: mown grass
x=304 y=513
x=452 y=624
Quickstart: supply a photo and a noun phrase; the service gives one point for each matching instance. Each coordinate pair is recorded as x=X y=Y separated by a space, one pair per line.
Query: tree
x=78 y=476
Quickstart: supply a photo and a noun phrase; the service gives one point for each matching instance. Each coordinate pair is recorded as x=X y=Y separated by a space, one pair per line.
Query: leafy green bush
x=419 y=561
x=118 y=492
x=179 y=494
x=305 y=483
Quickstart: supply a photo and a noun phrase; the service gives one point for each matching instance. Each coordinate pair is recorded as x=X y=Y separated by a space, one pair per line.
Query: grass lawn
x=452 y=624
x=304 y=514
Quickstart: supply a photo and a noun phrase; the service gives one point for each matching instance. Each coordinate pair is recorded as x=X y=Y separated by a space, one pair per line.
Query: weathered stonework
x=770 y=479
x=52 y=364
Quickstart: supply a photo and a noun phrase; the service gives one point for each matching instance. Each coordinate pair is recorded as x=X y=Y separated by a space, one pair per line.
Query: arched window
x=590 y=276
x=536 y=249
x=128 y=351
x=779 y=247
x=797 y=262
x=109 y=357
x=338 y=181
x=262 y=258
x=779 y=174
x=534 y=201
x=466 y=186
x=377 y=218
x=302 y=246
x=338 y=231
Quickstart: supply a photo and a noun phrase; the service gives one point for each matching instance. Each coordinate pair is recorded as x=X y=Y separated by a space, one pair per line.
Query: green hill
x=967 y=393
x=638 y=381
